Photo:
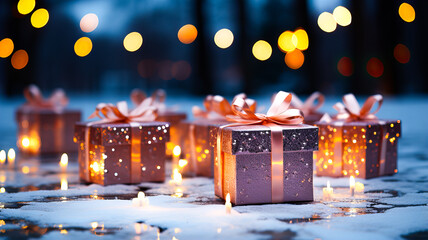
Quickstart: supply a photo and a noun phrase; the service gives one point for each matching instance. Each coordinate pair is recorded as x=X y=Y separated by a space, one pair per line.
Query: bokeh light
x=302 y=39
x=262 y=50
x=26 y=6
x=285 y=41
x=345 y=66
x=19 y=59
x=181 y=70
x=407 y=12
x=133 y=41
x=294 y=59
x=223 y=38
x=147 y=68
x=40 y=18
x=402 y=53
x=89 y=22
x=375 y=67
x=187 y=34
x=326 y=22
x=6 y=47
x=342 y=16
x=83 y=46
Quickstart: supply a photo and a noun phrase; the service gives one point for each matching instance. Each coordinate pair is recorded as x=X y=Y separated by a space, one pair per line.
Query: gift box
x=265 y=158
x=164 y=114
x=125 y=150
x=309 y=107
x=45 y=126
x=356 y=144
x=197 y=149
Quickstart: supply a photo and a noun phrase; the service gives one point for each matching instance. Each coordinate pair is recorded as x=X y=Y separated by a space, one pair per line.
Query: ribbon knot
x=218 y=106
x=308 y=107
x=57 y=101
x=351 y=110
x=158 y=97
x=278 y=113
x=107 y=112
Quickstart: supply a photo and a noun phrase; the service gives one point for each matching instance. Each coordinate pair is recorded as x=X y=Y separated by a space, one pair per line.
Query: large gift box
x=356 y=143
x=197 y=149
x=45 y=126
x=309 y=107
x=164 y=114
x=265 y=158
x=124 y=147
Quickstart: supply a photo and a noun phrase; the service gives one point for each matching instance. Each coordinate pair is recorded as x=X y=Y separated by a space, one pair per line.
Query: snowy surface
x=394 y=207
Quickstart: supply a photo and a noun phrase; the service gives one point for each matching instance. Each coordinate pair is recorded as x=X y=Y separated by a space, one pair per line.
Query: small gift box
x=164 y=114
x=124 y=146
x=309 y=107
x=356 y=143
x=45 y=126
x=265 y=158
x=197 y=149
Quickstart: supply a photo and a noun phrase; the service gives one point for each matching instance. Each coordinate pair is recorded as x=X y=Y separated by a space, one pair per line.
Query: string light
x=401 y=53
x=6 y=47
x=294 y=59
x=89 y=22
x=285 y=41
x=19 y=59
x=262 y=50
x=26 y=6
x=83 y=46
x=40 y=18
x=187 y=34
x=407 y=12
x=326 y=22
x=342 y=16
x=133 y=41
x=223 y=38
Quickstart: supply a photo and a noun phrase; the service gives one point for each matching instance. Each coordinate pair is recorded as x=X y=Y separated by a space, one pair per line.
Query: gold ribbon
x=110 y=113
x=308 y=107
x=350 y=110
x=278 y=114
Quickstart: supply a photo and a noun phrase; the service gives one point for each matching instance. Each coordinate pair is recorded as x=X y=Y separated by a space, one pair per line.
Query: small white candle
x=228 y=205
x=176 y=176
x=11 y=155
x=2 y=156
x=140 y=201
x=352 y=185
x=64 y=162
x=327 y=192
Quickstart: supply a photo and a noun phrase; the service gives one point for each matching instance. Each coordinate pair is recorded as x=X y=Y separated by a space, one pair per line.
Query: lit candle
x=2 y=156
x=176 y=152
x=327 y=192
x=176 y=176
x=64 y=184
x=359 y=187
x=228 y=204
x=11 y=155
x=64 y=162
x=140 y=201
x=352 y=185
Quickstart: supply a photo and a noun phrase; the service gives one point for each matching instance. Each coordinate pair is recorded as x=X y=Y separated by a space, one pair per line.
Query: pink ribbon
x=308 y=107
x=278 y=114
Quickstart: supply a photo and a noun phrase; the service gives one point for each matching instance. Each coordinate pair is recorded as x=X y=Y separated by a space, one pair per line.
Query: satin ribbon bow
x=34 y=97
x=351 y=110
x=158 y=96
x=108 y=112
x=278 y=113
x=218 y=107
x=309 y=105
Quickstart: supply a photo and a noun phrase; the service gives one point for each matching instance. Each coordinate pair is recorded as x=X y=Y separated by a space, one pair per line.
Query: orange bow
x=158 y=96
x=279 y=112
x=108 y=112
x=309 y=105
x=218 y=107
x=57 y=100
x=351 y=110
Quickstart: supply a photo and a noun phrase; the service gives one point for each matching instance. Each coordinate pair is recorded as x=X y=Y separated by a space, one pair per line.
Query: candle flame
x=25 y=142
x=64 y=160
x=141 y=195
x=64 y=184
x=11 y=155
x=228 y=198
x=96 y=167
x=176 y=176
x=182 y=163
x=2 y=156
x=352 y=181
x=176 y=151
x=2 y=190
x=328 y=184
x=94 y=225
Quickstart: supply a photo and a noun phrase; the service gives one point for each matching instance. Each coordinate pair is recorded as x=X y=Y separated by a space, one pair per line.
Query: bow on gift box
x=217 y=107
x=109 y=113
x=158 y=97
x=308 y=107
x=57 y=101
x=279 y=114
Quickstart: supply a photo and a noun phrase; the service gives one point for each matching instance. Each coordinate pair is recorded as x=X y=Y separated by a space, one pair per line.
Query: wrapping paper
x=121 y=153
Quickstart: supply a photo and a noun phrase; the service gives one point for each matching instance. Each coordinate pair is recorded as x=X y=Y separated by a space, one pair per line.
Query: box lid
x=257 y=138
x=110 y=134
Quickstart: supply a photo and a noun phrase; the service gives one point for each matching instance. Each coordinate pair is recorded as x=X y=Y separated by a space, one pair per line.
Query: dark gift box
x=309 y=107
x=363 y=148
x=122 y=151
x=248 y=169
x=45 y=126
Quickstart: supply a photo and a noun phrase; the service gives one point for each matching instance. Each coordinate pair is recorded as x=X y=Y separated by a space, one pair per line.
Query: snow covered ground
x=394 y=207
